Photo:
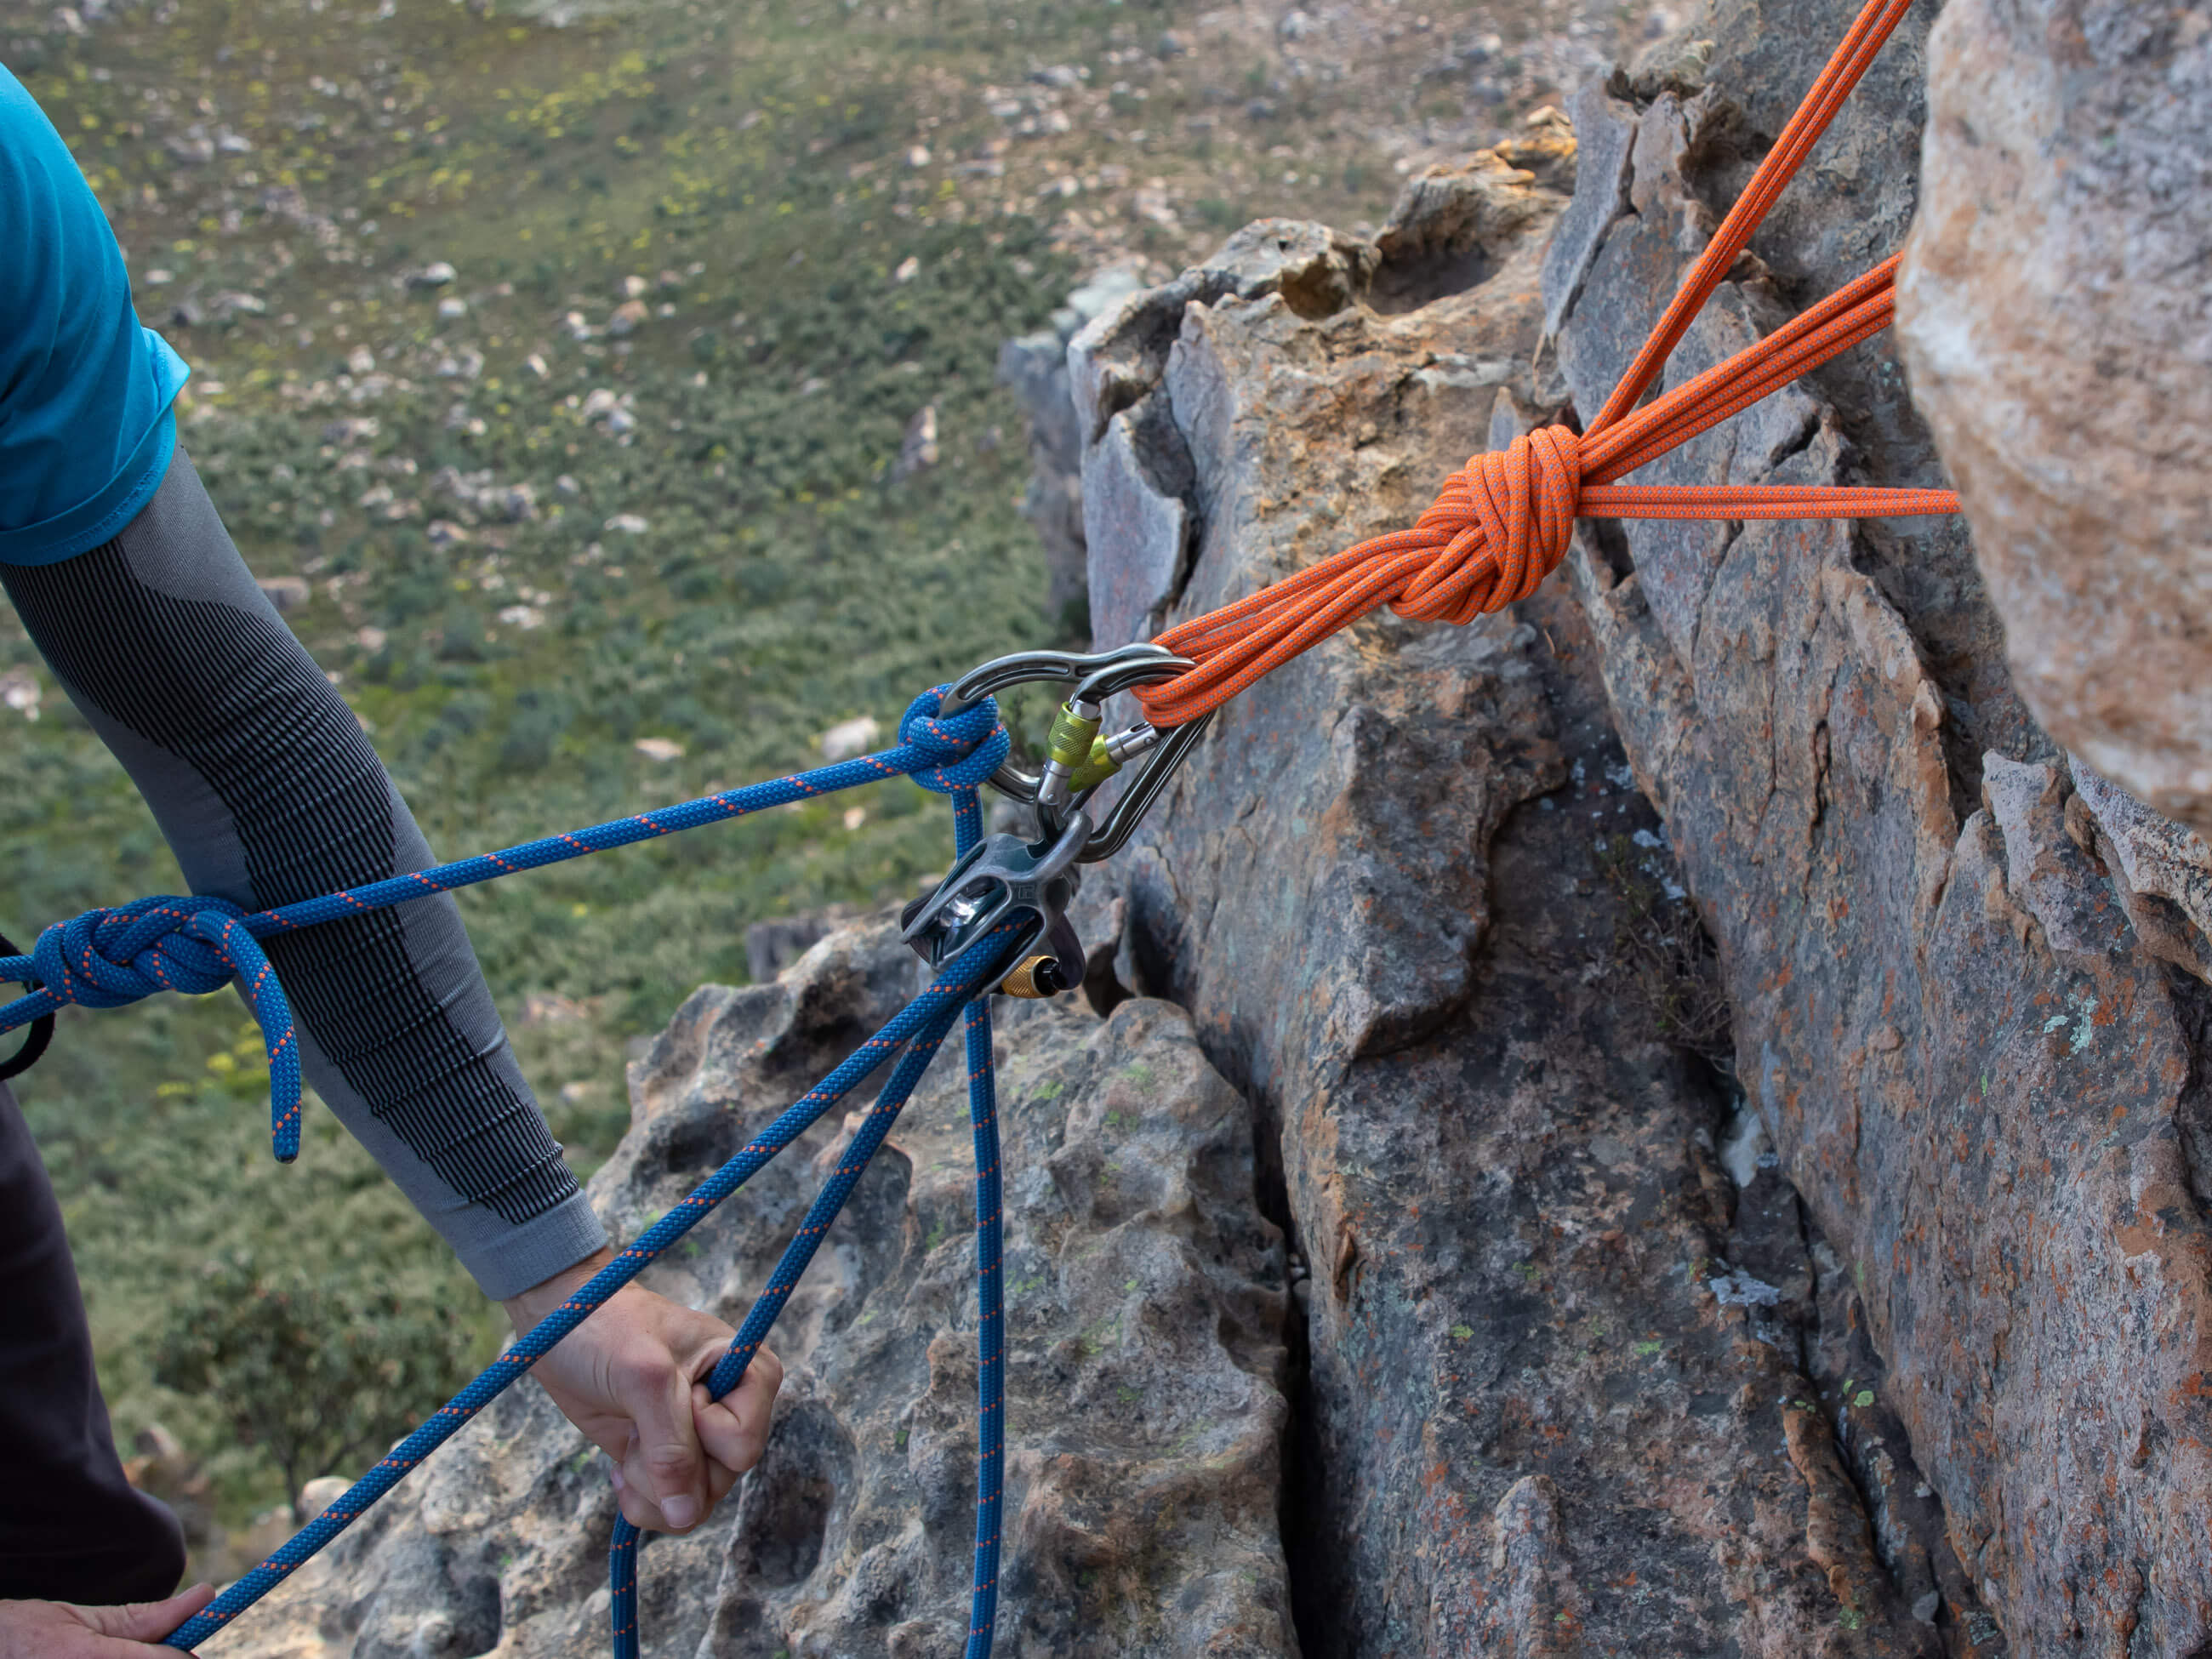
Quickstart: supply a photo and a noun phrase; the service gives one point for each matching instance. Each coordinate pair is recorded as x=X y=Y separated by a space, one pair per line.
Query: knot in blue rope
x=970 y=745
x=106 y=958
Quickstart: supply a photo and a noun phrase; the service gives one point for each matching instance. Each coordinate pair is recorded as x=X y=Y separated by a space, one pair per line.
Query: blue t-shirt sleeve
x=85 y=428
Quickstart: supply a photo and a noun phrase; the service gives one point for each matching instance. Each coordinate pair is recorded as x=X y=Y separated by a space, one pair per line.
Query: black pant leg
x=71 y=1528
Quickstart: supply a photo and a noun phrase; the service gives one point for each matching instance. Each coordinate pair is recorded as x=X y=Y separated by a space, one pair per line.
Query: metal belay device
x=1006 y=878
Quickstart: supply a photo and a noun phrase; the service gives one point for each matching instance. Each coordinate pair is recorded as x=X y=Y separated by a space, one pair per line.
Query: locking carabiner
x=1078 y=759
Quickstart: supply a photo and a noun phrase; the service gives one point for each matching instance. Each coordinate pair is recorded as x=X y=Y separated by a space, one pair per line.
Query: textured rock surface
x=1035 y=367
x=1571 y=1387
x=1982 y=1077
x=1146 y=1302
x=2058 y=328
x=1585 y=1372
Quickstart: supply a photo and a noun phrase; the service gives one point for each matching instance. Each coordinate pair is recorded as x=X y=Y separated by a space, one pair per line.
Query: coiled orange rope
x=1503 y=523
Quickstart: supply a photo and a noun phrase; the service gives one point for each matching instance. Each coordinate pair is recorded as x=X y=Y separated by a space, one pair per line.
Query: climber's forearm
x=268 y=792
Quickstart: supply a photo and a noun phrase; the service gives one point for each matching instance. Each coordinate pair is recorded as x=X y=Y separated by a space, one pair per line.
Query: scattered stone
x=371 y=639
x=918 y=449
x=849 y=738
x=288 y=592
x=444 y=532
x=159 y=278
x=536 y=364
x=528 y=617
x=918 y=156
x=634 y=288
x=658 y=748
x=360 y=361
x=909 y=269
x=21 y=691
x=452 y=308
x=434 y=275
x=193 y=146
x=627 y=315
x=620 y=423
x=626 y=524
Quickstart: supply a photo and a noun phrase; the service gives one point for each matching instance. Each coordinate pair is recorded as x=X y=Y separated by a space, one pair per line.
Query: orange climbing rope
x=1501 y=523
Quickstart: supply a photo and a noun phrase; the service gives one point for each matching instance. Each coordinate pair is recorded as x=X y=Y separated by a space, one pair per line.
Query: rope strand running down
x=1503 y=522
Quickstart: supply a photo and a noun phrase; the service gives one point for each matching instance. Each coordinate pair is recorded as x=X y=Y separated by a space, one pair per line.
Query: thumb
x=148 y=1622
x=668 y=1442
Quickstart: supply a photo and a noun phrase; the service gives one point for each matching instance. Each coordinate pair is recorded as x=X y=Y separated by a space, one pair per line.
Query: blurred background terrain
x=607 y=397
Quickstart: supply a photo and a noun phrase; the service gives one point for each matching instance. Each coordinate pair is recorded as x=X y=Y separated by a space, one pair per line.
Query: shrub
x=312 y=1372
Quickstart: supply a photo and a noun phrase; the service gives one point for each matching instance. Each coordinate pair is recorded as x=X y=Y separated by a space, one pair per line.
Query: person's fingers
x=147 y=1621
x=665 y=1458
x=733 y=1429
x=637 y=1508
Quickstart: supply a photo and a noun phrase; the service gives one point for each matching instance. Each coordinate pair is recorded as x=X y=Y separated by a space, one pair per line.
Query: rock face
x=2058 y=329
x=1738 y=1094
x=1891 y=1332
x=1146 y=1301
x=1565 y=1389
x=1035 y=367
x=1984 y=1080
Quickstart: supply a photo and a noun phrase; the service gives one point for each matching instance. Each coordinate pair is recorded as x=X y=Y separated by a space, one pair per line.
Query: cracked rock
x=1146 y=1300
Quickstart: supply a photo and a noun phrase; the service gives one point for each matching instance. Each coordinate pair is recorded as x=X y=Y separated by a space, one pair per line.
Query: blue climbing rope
x=990 y=1332
x=108 y=958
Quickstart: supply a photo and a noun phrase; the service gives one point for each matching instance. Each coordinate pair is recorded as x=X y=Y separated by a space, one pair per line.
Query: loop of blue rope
x=105 y=958
x=922 y=1022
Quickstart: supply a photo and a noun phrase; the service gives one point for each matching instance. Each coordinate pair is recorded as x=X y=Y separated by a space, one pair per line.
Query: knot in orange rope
x=1504 y=521
x=1500 y=526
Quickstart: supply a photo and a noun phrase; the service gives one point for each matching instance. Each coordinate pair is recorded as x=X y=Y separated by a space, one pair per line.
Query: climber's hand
x=632 y=1377
x=55 y=1630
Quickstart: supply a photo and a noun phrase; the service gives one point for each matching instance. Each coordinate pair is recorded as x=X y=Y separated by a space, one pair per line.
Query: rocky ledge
x=1741 y=1088
x=1146 y=1301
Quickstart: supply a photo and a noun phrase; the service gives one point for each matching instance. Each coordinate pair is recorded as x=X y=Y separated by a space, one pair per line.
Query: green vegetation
x=609 y=516
x=505 y=663
x=318 y=1373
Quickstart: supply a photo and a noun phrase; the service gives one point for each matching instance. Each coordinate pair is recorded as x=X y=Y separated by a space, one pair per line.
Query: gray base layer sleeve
x=268 y=792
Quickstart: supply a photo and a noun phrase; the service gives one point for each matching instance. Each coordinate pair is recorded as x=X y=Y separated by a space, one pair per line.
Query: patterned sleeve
x=262 y=780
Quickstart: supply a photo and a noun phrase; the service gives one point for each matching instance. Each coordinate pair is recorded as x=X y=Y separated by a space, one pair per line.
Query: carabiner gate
x=1080 y=759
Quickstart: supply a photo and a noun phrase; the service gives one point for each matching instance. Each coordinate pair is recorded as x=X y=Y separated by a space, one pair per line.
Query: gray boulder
x=1145 y=1307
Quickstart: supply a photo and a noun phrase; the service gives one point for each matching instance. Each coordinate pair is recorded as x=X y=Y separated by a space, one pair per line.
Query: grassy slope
x=755 y=164
x=783 y=582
